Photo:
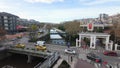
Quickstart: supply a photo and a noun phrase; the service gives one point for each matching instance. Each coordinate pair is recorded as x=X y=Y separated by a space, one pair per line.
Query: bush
x=64 y=64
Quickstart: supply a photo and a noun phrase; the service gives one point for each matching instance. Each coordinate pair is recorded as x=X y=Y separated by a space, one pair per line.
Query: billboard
x=90 y=27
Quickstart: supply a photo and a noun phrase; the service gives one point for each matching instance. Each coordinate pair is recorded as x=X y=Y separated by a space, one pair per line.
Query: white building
x=56 y=38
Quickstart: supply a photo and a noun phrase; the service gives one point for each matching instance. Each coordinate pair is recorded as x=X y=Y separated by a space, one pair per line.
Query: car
x=110 y=53
x=70 y=51
x=40 y=43
x=43 y=48
x=94 y=57
x=19 y=45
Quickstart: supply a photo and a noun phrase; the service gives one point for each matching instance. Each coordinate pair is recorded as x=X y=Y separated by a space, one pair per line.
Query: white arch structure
x=93 y=37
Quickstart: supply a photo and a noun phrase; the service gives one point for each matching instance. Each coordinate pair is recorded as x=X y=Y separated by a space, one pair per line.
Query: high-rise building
x=8 y=22
x=103 y=17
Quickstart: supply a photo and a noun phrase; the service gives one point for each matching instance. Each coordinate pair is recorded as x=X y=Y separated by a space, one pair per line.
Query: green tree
x=61 y=27
x=33 y=33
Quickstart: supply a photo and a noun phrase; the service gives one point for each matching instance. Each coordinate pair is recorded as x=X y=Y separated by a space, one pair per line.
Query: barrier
x=49 y=61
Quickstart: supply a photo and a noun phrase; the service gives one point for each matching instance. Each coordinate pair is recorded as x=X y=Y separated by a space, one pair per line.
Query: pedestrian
x=68 y=44
x=71 y=59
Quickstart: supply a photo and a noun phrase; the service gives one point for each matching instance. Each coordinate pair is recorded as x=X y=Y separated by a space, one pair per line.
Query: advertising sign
x=90 y=27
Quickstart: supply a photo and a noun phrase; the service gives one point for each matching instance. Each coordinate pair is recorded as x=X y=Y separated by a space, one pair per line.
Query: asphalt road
x=60 y=49
x=110 y=59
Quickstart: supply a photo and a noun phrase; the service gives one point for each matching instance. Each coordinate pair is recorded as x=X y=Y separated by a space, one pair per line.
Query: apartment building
x=8 y=22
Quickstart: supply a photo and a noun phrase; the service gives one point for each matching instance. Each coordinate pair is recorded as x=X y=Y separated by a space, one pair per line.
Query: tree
x=61 y=27
x=72 y=27
x=116 y=28
x=2 y=33
x=33 y=33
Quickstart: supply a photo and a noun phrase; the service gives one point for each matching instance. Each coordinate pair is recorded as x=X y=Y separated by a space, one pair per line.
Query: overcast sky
x=57 y=11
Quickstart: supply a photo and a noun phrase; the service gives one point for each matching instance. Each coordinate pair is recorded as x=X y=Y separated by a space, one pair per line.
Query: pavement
x=83 y=64
x=58 y=63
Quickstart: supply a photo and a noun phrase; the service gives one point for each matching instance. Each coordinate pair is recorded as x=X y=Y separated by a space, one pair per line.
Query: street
x=80 y=53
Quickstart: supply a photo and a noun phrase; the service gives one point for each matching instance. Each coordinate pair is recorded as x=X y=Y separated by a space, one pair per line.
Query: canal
x=20 y=61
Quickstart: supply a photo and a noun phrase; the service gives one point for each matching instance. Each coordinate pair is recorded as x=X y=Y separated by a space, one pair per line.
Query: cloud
x=6 y=5
x=59 y=15
x=96 y=2
x=44 y=1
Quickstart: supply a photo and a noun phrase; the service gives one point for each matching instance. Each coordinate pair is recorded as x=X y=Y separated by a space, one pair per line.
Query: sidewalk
x=83 y=64
x=58 y=63
x=73 y=63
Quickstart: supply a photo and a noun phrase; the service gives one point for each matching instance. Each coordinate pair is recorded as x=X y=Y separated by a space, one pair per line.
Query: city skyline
x=56 y=11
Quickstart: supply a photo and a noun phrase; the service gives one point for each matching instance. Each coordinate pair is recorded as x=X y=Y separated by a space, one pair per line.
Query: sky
x=57 y=11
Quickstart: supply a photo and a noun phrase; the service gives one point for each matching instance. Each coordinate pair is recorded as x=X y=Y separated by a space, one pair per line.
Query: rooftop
x=55 y=36
x=7 y=14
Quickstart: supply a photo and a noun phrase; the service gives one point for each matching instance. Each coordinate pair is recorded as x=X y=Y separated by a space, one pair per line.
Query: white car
x=70 y=51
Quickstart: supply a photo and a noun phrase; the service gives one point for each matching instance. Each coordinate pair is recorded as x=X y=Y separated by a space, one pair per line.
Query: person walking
x=71 y=58
x=68 y=44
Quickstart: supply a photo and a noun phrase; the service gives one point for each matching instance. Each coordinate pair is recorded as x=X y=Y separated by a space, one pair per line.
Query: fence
x=49 y=61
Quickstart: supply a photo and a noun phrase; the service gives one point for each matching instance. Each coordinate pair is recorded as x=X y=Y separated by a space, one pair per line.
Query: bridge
x=51 y=57
x=31 y=52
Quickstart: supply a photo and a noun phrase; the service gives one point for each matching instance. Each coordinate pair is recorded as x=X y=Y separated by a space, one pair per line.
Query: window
x=6 y=24
x=5 y=21
x=10 y=18
x=5 y=17
x=11 y=28
x=6 y=28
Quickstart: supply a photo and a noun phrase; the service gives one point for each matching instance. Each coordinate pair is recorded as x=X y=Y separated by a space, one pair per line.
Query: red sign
x=90 y=26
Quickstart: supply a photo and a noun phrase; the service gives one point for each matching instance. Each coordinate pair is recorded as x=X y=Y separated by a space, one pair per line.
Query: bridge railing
x=49 y=61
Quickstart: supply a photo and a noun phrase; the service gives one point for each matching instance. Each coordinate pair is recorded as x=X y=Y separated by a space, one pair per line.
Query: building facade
x=101 y=24
x=8 y=22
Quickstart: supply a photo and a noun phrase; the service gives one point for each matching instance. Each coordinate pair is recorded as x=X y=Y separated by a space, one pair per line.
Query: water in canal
x=20 y=61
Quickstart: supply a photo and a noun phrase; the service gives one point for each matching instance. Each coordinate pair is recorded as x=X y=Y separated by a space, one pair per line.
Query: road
x=81 y=53
x=67 y=57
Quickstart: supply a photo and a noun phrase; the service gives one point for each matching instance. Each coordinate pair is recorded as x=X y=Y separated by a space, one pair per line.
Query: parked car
x=93 y=57
x=110 y=53
x=70 y=51
x=19 y=45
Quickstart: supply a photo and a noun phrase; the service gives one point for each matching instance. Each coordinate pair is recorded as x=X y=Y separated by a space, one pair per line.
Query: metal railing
x=49 y=61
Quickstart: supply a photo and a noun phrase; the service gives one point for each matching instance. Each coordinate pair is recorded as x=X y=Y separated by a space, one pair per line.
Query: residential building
x=103 y=17
x=8 y=22
x=100 y=24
